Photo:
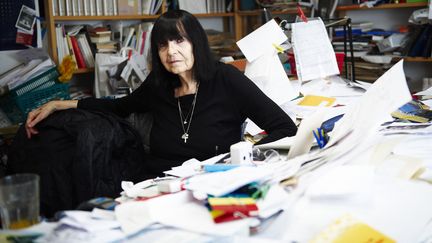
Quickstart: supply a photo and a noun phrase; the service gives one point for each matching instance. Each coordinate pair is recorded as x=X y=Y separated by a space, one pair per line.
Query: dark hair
x=175 y=24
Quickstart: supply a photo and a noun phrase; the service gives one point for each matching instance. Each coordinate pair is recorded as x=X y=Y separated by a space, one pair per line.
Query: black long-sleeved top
x=223 y=103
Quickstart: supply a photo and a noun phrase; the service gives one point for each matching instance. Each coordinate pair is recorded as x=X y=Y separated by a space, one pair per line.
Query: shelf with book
x=393 y=18
x=108 y=17
x=53 y=18
x=235 y=21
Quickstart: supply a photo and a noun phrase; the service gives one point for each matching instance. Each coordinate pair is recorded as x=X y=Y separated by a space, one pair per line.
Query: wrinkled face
x=177 y=56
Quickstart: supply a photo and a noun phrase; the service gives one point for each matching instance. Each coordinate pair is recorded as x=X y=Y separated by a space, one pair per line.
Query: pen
x=317 y=139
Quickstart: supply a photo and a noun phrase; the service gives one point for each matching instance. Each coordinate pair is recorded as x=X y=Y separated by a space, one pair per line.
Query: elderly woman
x=198 y=104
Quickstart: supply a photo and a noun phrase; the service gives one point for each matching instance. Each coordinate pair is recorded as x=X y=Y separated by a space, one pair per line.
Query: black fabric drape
x=79 y=155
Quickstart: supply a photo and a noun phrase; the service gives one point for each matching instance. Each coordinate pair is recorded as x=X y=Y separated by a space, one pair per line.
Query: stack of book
x=367 y=71
x=107 y=47
x=221 y=43
x=101 y=38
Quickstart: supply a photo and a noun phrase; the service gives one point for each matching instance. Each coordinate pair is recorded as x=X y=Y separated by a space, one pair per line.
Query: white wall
x=388 y=19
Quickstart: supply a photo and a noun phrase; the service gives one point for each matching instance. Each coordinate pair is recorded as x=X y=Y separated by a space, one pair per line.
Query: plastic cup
x=19 y=201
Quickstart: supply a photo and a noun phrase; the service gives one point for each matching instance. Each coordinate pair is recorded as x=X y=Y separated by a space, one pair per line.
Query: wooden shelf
x=211 y=15
x=382 y=6
x=235 y=21
x=258 y=12
x=84 y=70
x=417 y=59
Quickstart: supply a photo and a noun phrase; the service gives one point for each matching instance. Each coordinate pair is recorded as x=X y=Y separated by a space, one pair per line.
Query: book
x=86 y=8
x=127 y=7
x=88 y=53
x=92 y=7
x=99 y=8
x=106 y=45
x=128 y=38
x=428 y=46
x=99 y=30
x=61 y=7
x=115 y=7
x=55 y=11
x=413 y=111
x=156 y=7
x=68 y=7
x=99 y=34
x=77 y=51
x=71 y=50
x=100 y=38
x=193 y=6
x=420 y=43
x=146 y=7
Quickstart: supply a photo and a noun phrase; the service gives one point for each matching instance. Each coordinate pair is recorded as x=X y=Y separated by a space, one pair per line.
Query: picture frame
x=26 y=19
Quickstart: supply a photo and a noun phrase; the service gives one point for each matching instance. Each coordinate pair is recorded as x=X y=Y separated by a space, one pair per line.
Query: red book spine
x=143 y=37
x=78 y=54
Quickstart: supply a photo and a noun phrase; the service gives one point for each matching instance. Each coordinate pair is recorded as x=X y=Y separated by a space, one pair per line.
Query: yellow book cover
x=315 y=100
x=346 y=229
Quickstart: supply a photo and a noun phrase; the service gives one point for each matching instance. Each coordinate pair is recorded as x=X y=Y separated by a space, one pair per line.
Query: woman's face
x=177 y=56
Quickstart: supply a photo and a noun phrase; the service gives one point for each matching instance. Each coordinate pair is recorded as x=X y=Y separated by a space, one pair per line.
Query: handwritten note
x=314 y=54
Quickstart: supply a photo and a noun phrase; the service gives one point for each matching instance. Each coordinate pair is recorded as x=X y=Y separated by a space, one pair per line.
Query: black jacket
x=79 y=155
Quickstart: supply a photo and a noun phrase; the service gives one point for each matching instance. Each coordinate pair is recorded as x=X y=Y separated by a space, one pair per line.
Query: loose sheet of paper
x=178 y=210
x=221 y=183
x=364 y=117
x=425 y=92
x=262 y=40
x=314 y=54
x=304 y=138
x=269 y=75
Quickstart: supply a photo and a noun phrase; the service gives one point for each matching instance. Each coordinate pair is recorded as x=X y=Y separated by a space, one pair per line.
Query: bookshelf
x=342 y=11
x=52 y=20
x=237 y=22
x=392 y=16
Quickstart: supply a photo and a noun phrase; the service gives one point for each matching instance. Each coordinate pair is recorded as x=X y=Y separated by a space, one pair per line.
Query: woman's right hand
x=42 y=112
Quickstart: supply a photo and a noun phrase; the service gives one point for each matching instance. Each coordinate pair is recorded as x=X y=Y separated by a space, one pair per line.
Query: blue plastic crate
x=35 y=92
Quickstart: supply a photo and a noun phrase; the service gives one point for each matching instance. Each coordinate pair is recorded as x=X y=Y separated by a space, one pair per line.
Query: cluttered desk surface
x=368 y=179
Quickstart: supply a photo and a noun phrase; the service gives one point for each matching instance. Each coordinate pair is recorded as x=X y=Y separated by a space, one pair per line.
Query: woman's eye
x=162 y=45
x=180 y=40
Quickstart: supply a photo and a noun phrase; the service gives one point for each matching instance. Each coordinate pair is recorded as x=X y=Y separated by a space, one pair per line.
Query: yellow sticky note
x=315 y=100
x=348 y=229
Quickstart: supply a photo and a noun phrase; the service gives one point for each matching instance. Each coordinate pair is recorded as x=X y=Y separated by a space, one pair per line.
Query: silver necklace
x=184 y=121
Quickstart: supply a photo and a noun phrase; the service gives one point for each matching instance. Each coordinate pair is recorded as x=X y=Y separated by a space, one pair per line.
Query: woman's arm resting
x=37 y=115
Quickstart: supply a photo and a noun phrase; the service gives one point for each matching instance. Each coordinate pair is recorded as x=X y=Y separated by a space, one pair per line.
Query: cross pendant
x=185 y=136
